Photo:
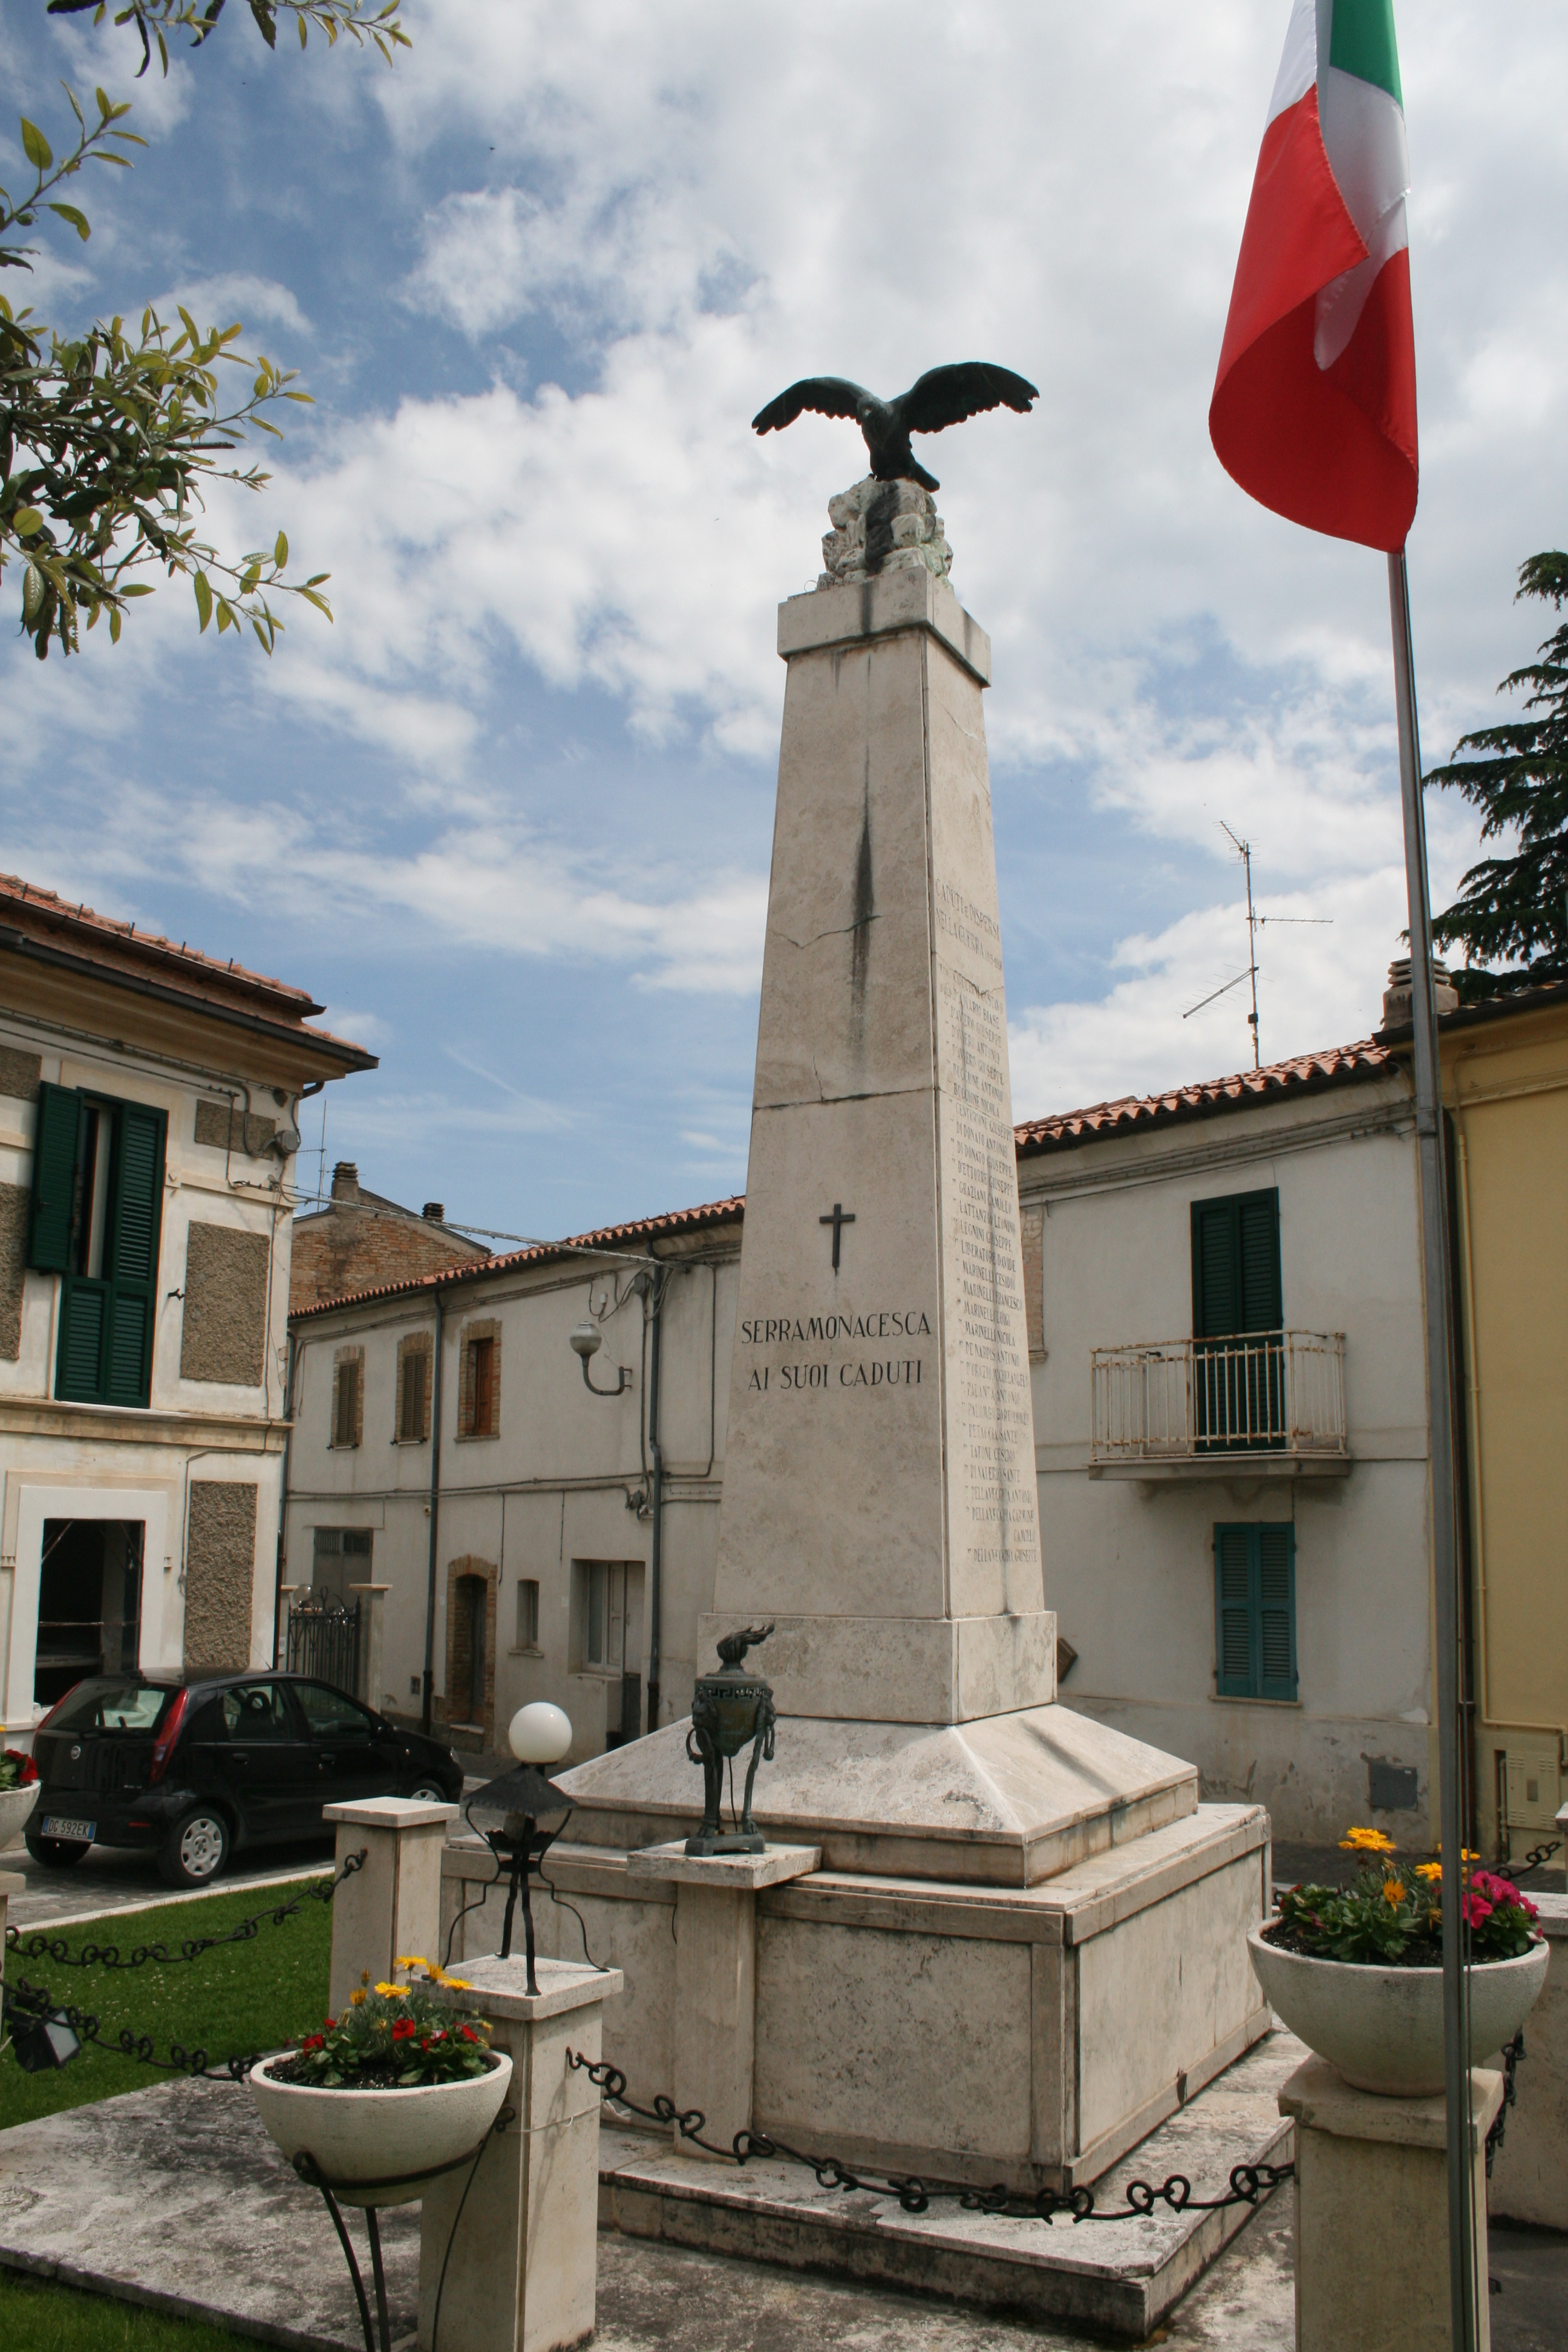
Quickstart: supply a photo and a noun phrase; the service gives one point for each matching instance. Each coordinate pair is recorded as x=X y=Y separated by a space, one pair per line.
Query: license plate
x=62 y=1825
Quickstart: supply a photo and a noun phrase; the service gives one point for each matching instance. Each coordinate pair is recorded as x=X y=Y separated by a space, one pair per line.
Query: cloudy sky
x=509 y=815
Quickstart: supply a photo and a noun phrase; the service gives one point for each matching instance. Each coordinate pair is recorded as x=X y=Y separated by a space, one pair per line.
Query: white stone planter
x=380 y=2137
x=15 y=1804
x=1382 y=2028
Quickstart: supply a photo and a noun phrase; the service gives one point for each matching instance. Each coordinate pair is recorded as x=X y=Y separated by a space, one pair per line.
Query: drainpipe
x=427 y=1714
x=283 y=1500
x=655 y=1491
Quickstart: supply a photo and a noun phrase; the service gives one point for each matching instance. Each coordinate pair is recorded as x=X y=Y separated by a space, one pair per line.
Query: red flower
x=1476 y=1910
x=467 y=2033
x=27 y=1771
x=404 y=2030
x=311 y=2041
x=329 y=2025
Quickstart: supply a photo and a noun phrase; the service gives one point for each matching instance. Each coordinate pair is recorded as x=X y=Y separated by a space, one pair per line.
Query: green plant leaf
x=27 y=520
x=204 y=597
x=36 y=147
x=281 y=551
x=78 y=221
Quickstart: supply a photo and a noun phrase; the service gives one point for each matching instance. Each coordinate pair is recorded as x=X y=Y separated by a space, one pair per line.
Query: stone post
x=520 y=2257
x=1529 y=2171
x=391 y=1905
x=1371 y=2213
x=372 y=1602
x=716 y=1975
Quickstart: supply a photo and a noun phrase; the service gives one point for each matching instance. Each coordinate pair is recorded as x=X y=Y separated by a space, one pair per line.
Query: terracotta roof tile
x=1303 y=1074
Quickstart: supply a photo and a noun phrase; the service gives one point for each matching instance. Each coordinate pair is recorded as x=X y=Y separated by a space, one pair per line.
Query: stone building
x=362 y=1241
x=149 y=1120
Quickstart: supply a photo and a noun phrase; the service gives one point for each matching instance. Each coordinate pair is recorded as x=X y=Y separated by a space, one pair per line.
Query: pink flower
x=1476 y=1910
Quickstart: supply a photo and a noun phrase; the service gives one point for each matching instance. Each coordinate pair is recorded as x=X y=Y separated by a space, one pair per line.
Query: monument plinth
x=997 y=1873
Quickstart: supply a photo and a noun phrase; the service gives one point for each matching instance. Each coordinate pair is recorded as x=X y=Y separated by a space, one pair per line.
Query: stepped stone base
x=982 y=2032
x=1005 y=1801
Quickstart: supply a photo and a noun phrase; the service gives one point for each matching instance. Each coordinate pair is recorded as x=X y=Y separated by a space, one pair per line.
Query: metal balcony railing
x=1257 y=1392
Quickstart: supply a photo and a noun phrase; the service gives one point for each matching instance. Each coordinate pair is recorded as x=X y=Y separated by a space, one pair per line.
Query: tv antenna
x=1255 y=923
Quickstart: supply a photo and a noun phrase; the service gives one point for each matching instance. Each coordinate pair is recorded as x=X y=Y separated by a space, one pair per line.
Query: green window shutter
x=54 y=1150
x=1217 y=1301
x=1257 y=1221
x=1233 y=1677
x=135 y=1215
x=1277 y=1610
x=79 y=1372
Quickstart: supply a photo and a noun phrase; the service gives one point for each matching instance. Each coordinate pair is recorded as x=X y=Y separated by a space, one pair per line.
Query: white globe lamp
x=540 y=1733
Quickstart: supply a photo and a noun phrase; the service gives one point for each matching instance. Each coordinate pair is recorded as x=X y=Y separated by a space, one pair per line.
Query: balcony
x=1264 y=1404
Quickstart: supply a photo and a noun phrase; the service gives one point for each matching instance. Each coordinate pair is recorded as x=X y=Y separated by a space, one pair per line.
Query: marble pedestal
x=1371 y=2213
x=715 y=2016
x=390 y=1905
x=524 y=2253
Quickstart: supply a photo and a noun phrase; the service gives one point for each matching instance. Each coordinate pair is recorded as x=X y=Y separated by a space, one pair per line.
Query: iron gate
x=323 y=1640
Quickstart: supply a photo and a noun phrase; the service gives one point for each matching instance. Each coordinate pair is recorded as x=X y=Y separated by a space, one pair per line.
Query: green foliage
x=107 y=440
x=1516 y=908
x=46 y=2317
x=361 y=20
x=238 y=1999
x=1391 y=1915
x=393 y=2036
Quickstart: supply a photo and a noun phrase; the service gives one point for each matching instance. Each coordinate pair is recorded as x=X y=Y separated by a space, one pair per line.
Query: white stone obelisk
x=879 y=1500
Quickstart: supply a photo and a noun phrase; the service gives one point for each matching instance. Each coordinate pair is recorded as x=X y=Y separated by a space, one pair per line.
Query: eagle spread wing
x=829 y=395
x=946 y=395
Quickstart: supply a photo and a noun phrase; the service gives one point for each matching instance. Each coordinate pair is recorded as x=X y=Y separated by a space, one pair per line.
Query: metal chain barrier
x=1512 y=2055
x=33 y=2008
x=1249 y=2182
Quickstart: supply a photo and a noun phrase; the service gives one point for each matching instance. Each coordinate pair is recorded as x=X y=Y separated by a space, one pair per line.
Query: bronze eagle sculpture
x=942 y=397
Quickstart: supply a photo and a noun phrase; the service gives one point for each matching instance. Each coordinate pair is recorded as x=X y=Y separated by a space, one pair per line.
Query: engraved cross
x=838 y=1220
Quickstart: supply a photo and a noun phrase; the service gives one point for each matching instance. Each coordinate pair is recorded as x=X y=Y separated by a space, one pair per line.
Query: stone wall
x=224 y=1336
x=15 y=1201
x=220 y=1574
x=224 y=1126
x=20 y=1073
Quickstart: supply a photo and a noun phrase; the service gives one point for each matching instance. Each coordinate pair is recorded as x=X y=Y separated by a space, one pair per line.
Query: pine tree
x=1516 y=908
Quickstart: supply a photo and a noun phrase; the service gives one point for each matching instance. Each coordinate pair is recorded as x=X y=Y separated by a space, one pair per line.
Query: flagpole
x=1463 y=2284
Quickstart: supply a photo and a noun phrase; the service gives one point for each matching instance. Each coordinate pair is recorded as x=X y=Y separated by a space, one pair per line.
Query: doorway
x=89 y=1603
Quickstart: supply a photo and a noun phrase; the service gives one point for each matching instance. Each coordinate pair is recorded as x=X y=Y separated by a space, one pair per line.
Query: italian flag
x=1314 y=405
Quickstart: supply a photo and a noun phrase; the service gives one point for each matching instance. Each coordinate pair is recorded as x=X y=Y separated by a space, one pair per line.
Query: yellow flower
x=1393 y=1893
x=392 y=1992
x=1367 y=1841
x=413 y=1961
x=357 y=1999
x=1429 y=1871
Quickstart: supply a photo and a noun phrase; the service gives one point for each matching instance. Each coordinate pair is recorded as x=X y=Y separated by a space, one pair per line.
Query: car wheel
x=196 y=1849
x=428 y=1793
x=56 y=1853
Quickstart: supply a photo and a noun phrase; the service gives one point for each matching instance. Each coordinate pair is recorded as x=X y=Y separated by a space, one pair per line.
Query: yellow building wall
x=1507 y=1087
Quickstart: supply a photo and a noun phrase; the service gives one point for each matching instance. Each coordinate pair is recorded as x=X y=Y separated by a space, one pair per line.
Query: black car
x=196 y=1767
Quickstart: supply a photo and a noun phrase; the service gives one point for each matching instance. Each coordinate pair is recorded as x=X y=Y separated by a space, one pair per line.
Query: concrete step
x=1120 y=2275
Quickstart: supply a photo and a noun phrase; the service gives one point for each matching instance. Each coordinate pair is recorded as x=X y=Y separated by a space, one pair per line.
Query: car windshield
x=113 y=1706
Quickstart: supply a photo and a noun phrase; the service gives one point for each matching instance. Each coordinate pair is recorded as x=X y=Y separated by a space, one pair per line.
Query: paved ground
x=109 y=1879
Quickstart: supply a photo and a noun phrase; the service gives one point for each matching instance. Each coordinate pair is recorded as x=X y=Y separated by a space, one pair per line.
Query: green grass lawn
x=36 y=2316
x=238 y=1999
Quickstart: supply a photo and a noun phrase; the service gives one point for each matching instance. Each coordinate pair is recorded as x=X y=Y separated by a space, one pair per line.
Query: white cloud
x=235 y=294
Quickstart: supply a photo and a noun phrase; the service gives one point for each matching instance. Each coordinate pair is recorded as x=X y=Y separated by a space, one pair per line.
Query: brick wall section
x=342 y=1251
x=345 y=1356
x=224 y=1333
x=460 y=1656
x=416 y=1343
x=20 y=1073
x=483 y=1327
x=228 y=1127
x=15 y=1201
x=220 y=1575
x=1032 y=1224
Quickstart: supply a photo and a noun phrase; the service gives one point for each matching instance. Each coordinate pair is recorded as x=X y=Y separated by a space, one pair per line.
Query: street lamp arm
x=623 y=1380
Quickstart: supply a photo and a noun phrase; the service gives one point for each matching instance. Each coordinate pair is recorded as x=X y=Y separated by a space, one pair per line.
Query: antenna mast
x=1243 y=850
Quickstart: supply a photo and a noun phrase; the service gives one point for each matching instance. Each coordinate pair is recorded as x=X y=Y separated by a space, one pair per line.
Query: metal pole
x=657 y=1281
x=427 y=1709
x=1445 y=1551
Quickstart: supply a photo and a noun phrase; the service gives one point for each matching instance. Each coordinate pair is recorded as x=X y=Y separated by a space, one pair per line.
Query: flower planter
x=1382 y=2028
x=15 y=1804
x=380 y=2140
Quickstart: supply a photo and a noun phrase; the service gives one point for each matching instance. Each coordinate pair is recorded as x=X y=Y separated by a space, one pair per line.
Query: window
x=482 y=1364
x=607 y=1614
x=258 y=1711
x=95 y=1220
x=413 y=1361
x=346 y=1403
x=1254 y=1610
x=1236 y=1266
x=528 y=1613
x=331 y=1715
